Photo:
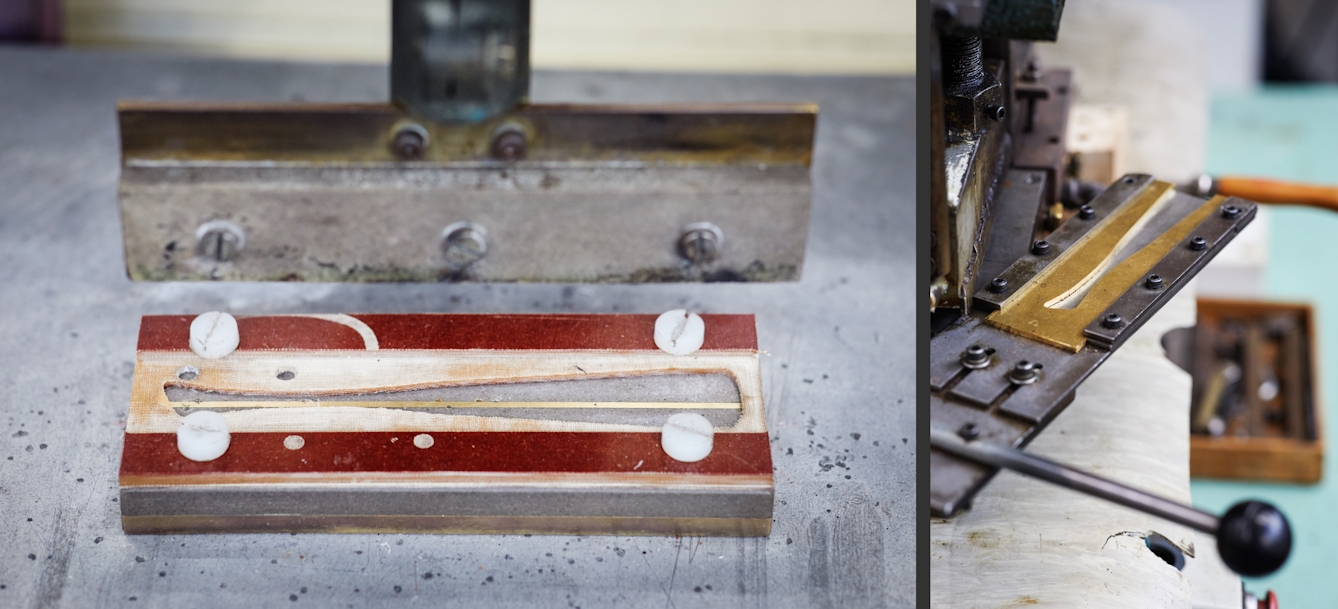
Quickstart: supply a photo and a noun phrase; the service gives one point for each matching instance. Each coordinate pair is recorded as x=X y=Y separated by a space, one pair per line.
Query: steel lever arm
x=1253 y=537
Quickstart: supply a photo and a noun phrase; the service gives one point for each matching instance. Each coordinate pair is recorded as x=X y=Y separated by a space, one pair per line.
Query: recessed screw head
x=700 y=242
x=1112 y=321
x=1230 y=212
x=998 y=285
x=968 y=432
x=1154 y=282
x=1040 y=248
x=1086 y=212
x=996 y=112
x=410 y=142
x=1198 y=244
x=976 y=357
x=1025 y=373
x=463 y=244
x=219 y=240
x=509 y=145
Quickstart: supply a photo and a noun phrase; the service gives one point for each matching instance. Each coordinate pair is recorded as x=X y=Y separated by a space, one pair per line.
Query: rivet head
x=1230 y=212
x=998 y=285
x=409 y=143
x=1040 y=248
x=1086 y=212
x=1112 y=321
x=976 y=356
x=509 y=144
x=1025 y=373
x=1154 y=282
x=1198 y=244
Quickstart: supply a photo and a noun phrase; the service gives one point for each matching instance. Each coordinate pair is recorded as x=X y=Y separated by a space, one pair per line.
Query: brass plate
x=1029 y=312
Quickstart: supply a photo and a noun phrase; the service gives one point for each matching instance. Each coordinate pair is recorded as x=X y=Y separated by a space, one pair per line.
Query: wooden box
x=1268 y=450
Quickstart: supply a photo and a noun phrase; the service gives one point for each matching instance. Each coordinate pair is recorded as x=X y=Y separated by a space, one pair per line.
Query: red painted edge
x=620 y=332
x=497 y=452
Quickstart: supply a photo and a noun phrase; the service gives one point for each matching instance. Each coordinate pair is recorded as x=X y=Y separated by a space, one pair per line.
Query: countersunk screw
x=509 y=143
x=1230 y=212
x=1113 y=321
x=1087 y=212
x=410 y=142
x=219 y=240
x=1025 y=373
x=464 y=243
x=968 y=432
x=996 y=112
x=1040 y=248
x=998 y=285
x=1154 y=282
x=700 y=242
x=1198 y=244
x=976 y=357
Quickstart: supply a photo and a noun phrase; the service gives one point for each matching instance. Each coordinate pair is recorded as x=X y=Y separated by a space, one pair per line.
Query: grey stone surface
x=838 y=368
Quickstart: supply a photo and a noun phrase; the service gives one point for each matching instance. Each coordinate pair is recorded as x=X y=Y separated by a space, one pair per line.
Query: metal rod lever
x=1065 y=476
x=1253 y=537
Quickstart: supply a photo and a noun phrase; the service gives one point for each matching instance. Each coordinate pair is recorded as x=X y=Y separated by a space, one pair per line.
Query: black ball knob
x=1254 y=538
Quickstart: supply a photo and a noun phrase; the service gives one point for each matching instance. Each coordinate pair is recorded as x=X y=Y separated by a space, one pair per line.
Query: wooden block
x=537 y=424
x=1098 y=141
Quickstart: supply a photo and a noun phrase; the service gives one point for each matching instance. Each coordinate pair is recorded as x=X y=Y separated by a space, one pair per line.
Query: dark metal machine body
x=461 y=178
x=1035 y=280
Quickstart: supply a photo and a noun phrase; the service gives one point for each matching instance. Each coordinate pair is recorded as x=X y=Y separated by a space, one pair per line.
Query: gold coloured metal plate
x=1038 y=310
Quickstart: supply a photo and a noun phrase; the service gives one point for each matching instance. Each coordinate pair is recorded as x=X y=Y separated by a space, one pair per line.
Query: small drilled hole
x=286 y=375
x=188 y=373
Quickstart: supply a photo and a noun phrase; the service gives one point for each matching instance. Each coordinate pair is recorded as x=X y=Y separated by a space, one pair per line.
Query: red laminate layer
x=453 y=331
x=501 y=452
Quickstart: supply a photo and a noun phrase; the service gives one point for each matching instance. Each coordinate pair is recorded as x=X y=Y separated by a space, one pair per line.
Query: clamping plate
x=1004 y=371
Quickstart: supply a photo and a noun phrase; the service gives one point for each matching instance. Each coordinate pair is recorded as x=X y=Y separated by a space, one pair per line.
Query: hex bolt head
x=1025 y=373
x=700 y=242
x=1154 y=282
x=968 y=432
x=509 y=144
x=996 y=112
x=976 y=357
x=463 y=244
x=998 y=285
x=1230 y=212
x=219 y=240
x=1086 y=212
x=1040 y=248
x=410 y=142
x=1112 y=321
x=1198 y=244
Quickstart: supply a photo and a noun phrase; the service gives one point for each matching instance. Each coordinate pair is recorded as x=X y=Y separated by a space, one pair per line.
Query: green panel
x=1291 y=133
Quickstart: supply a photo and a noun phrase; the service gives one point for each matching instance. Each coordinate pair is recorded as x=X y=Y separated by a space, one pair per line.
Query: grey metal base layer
x=838 y=369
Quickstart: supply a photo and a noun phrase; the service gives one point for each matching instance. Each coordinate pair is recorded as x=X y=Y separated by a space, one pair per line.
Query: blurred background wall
x=785 y=36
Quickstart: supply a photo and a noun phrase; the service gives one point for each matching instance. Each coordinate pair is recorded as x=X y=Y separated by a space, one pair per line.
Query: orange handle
x=1274 y=191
